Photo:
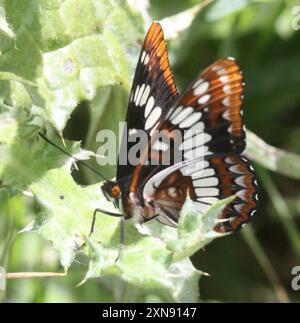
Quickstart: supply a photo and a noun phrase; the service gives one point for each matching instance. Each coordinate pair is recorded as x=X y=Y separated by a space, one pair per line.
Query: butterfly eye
x=116 y=191
x=111 y=190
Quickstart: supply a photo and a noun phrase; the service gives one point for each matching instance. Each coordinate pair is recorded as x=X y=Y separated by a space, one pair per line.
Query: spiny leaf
x=149 y=271
x=196 y=230
x=74 y=46
x=147 y=262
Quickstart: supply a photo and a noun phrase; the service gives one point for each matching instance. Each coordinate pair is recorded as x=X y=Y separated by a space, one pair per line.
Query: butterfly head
x=111 y=190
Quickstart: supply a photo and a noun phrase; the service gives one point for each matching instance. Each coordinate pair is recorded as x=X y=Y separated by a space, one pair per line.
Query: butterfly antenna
x=68 y=154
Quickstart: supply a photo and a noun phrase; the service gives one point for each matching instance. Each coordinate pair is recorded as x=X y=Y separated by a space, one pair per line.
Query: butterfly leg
x=122 y=237
x=95 y=215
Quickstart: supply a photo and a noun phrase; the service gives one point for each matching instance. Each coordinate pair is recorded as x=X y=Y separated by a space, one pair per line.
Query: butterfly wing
x=210 y=110
x=207 y=120
x=206 y=181
x=153 y=92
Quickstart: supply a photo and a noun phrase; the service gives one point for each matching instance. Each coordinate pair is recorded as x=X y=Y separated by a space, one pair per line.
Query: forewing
x=153 y=92
x=209 y=114
x=204 y=124
x=206 y=119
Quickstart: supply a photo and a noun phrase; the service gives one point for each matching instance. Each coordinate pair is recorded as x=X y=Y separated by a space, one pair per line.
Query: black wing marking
x=209 y=114
x=153 y=92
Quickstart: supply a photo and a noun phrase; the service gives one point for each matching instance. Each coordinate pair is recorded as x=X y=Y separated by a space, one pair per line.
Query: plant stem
x=265 y=263
x=272 y=158
x=22 y=275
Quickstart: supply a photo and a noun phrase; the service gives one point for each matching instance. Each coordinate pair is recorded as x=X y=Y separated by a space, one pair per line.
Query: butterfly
x=208 y=119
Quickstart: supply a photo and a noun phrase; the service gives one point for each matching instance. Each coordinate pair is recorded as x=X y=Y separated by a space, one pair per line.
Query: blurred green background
x=254 y=264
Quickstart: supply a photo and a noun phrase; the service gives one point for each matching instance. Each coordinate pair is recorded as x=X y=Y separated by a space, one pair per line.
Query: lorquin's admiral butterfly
x=209 y=117
x=206 y=120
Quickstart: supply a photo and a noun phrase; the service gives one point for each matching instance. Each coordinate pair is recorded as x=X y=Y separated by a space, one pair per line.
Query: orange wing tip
x=154 y=32
x=156 y=47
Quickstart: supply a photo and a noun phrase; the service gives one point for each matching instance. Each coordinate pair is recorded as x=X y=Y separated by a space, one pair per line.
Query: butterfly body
x=192 y=143
x=131 y=205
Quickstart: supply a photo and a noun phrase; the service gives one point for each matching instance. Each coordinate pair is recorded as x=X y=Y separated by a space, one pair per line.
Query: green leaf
x=8 y=129
x=66 y=220
x=152 y=271
x=70 y=49
x=196 y=230
x=66 y=223
x=25 y=158
x=4 y=26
